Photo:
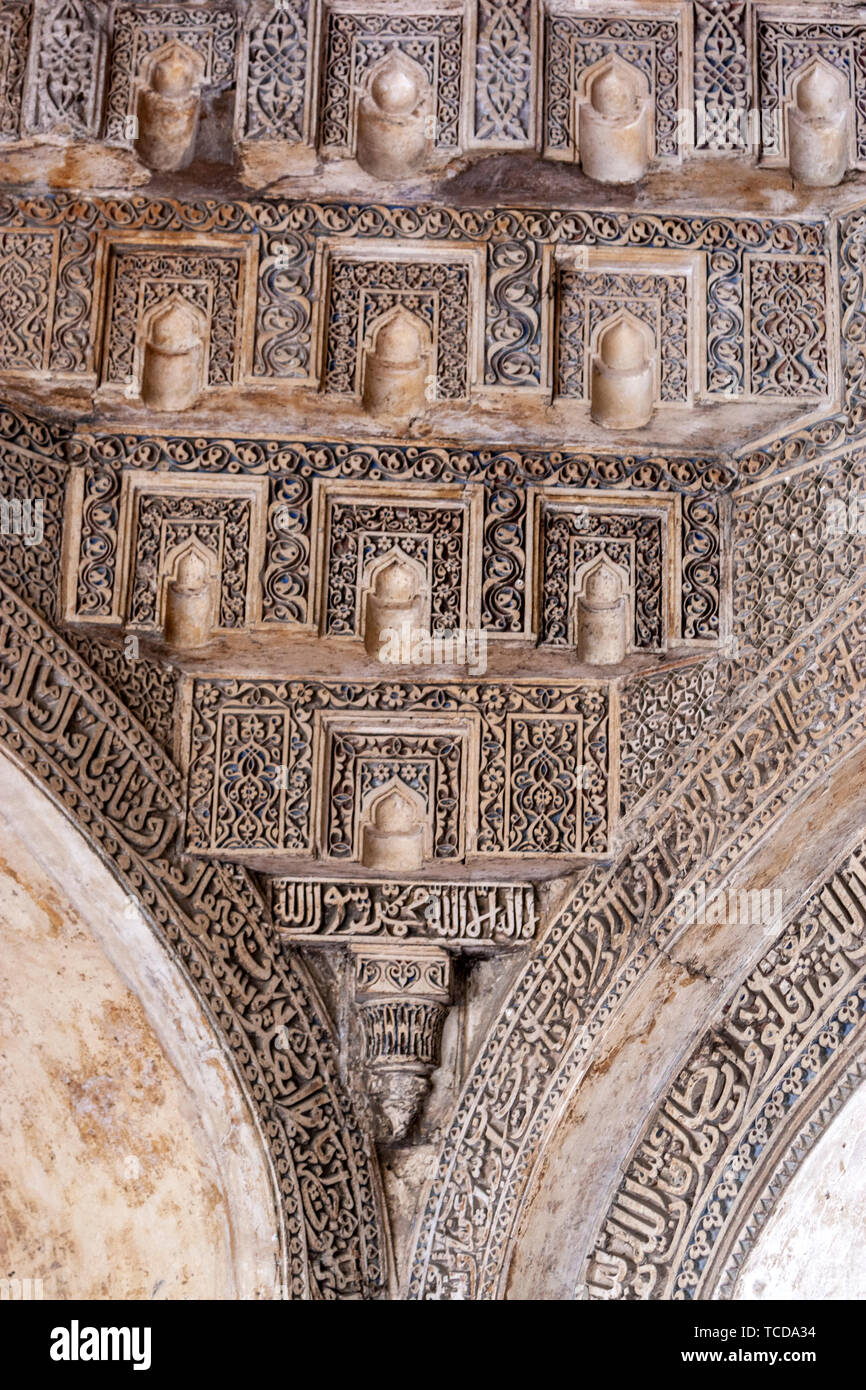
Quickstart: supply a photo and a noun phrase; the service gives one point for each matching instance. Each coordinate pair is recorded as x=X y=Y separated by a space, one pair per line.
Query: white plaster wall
x=130 y=1166
x=812 y=1245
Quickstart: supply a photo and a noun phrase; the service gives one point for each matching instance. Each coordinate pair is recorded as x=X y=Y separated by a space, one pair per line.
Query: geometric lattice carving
x=722 y=77
x=663 y=712
x=67 y=56
x=769 y=526
x=276 y=95
x=286 y=769
x=504 y=105
x=576 y=43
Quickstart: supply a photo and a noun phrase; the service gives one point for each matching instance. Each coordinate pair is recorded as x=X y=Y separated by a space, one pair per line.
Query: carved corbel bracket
x=402 y=991
x=401 y=954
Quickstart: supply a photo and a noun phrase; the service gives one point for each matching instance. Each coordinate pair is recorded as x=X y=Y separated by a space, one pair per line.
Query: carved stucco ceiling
x=458 y=1001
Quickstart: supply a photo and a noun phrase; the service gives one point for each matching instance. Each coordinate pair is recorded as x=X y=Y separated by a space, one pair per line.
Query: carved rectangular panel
x=387 y=970
x=499 y=913
x=66 y=69
x=140 y=30
x=359 y=524
x=651 y=40
x=786 y=39
x=285 y=769
x=505 y=74
x=275 y=72
x=544 y=806
x=356 y=36
x=213 y=274
x=640 y=535
x=722 y=75
x=788 y=301
x=157 y=515
x=28 y=263
x=361 y=284
x=14 y=36
x=391 y=971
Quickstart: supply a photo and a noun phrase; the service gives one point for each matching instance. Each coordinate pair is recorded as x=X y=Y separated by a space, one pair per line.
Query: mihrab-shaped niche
x=628 y=334
x=396 y=366
x=395 y=829
x=603 y=592
x=391 y=89
x=173 y=308
x=395 y=603
x=394 y=329
x=614 y=84
x=609 y=573
x=190 y=597
x=395 y=791
x=623 y=377
x=168 y=106
x=614 y=121
x=809 y=66
x=393 y=134
x=819 y=124
x=185 y=561
x=174 y=336
x=168 y=63
x=190 y=550
x=389 y=558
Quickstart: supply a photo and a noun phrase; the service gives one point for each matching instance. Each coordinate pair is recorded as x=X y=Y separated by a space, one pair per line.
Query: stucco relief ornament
x=394 y=118
x=615 y=124
x=819 y=126
x=168 y=107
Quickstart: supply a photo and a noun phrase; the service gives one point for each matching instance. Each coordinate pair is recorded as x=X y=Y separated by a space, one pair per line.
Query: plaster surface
x=812 y=1244
x=131 y=1168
